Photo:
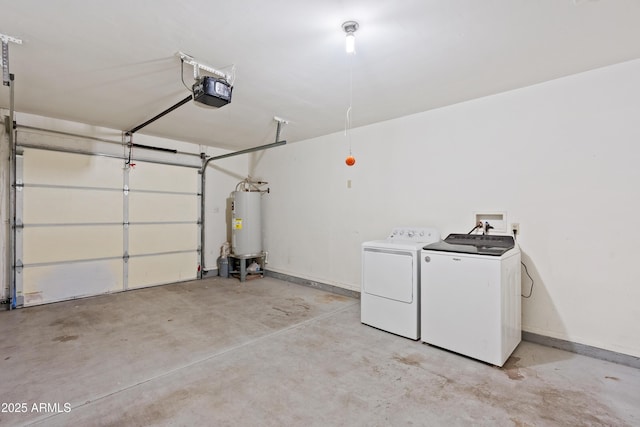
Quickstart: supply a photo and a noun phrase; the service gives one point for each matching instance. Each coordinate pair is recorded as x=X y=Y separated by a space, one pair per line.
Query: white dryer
x=390 y=294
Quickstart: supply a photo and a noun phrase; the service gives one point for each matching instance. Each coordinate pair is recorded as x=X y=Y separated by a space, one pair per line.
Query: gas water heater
x=246 y=219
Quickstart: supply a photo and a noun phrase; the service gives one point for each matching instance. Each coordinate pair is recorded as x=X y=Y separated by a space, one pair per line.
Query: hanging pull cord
x=347 y=127
x=347 y=120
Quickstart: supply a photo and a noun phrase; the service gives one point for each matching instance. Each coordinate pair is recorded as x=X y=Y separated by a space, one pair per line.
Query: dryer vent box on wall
x=212 y=92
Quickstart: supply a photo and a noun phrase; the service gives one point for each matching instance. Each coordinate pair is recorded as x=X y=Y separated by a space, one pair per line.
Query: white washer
x=471 y=296
x=390 y=295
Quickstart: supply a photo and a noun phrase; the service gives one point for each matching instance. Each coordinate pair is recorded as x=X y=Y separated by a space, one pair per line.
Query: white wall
x=560 y=158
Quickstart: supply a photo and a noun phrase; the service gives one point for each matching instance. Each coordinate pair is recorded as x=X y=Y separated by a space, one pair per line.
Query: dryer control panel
x=414 y=234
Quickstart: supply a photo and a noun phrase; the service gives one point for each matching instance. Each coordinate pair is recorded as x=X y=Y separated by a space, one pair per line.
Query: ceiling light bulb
x=350 y=27
x=351 y=43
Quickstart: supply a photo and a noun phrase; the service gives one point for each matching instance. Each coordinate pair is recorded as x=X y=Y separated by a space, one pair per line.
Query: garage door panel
x=71 y=206
x=152 y=207
x=162 y=269
x=146 y=239
x=60 y=282
x=53 y=168
x=157 y=177
x=56 y=244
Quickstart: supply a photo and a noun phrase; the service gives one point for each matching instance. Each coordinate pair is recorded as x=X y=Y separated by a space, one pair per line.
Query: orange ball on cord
x=350 y=160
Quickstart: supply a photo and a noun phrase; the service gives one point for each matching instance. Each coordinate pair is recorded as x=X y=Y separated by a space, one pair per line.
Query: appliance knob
x=427 y=259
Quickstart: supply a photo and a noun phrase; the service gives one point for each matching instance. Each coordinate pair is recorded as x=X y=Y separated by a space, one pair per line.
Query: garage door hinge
x=126 y=190
x=18 y=224
x=126 y=224
x=19 y=265
x=19 y=185
x=125 y=257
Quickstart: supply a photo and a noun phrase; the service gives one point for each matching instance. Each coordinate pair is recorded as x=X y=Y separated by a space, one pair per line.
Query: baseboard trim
x=313 y=284
x=582 y=349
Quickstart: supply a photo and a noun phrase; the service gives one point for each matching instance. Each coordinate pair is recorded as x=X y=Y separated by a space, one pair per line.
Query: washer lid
x=474 y=244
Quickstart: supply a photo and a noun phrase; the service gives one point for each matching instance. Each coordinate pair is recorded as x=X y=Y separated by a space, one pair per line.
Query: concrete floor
x=271 y=353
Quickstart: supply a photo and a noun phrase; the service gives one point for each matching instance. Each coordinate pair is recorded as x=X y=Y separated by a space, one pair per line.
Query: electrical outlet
x=515 y=228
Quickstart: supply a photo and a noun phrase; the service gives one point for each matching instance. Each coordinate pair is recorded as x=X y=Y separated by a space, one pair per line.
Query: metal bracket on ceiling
x=6 y=78
x=197 y=66
x=281 y=122
x=5 y=38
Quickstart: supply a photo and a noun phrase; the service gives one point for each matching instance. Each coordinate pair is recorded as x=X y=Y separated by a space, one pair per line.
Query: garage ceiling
x=113 y=63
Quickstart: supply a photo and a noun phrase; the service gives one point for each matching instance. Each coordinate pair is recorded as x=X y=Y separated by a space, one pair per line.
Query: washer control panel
x=414 y=234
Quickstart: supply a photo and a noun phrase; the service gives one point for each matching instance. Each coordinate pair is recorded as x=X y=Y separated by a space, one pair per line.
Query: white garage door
x=87 y=225
x=163 y=224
